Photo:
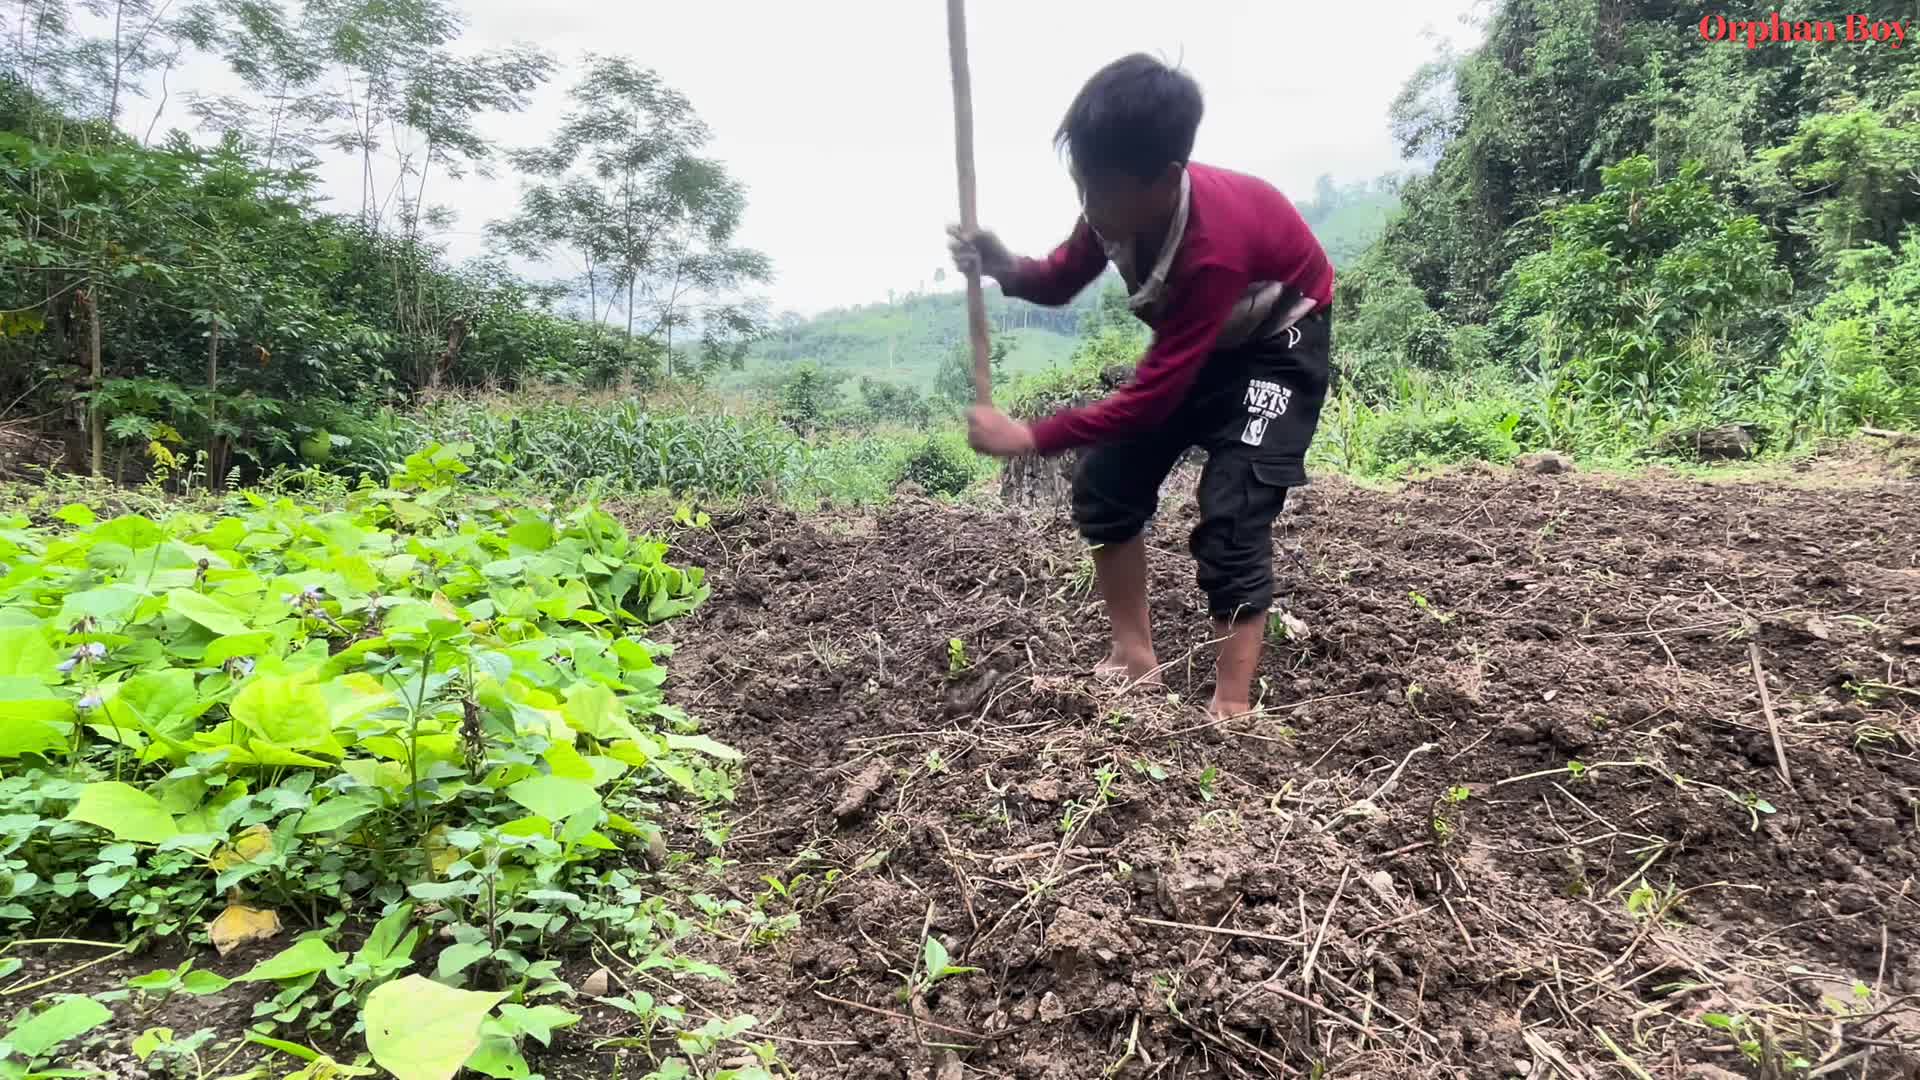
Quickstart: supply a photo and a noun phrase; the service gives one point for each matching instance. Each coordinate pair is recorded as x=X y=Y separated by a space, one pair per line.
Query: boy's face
x=1121 y=206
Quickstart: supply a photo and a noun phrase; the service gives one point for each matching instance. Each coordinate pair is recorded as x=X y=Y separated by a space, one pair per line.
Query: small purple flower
x=315 y=592
x=240 y=666
x=88 y=703
x=67 y=666
x=95 y=651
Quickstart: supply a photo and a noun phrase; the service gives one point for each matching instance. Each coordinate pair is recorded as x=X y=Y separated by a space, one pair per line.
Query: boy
x=1238 y=293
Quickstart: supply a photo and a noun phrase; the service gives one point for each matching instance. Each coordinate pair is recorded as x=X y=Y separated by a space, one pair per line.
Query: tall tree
x=625 y=188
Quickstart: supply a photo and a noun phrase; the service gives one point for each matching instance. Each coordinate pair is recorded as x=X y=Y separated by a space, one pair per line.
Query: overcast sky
x=838 y=115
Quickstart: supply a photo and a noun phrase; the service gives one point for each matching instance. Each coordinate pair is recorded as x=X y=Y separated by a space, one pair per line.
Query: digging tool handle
x=969 y=213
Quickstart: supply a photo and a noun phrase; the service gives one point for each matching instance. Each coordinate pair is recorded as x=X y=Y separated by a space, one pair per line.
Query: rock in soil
x=1545 y=462
x=1729 y=442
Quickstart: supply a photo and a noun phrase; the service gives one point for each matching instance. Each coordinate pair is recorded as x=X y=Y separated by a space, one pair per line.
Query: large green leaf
x=24 y=653
x=110 y=604
x=133 y=530
x=335 y=813
x=499 y=1058
x=458 y=957
x=125 y=811
x=207 y=611
x=33 y=719
x=72 y=1017
x=288 y=710
x=160 y=703
x=592 y=709
x=538 y=1022
x=252 y=644
x=418 y=1029
x=704 y=745
x=303 y=957
x=554 y=797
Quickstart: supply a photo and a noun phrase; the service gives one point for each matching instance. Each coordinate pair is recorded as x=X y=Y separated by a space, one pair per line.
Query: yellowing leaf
x=290 y=711
x=567 y=763
x=418 y=1029
x=527 y=826
x=328 y=1069
x=378 y=774
x=629 y=752
x=240 y=925
x=354 y=695
x=251 y=844
x=441 y=856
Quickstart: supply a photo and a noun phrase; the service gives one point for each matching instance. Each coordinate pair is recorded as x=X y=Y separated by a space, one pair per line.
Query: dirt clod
x=861 y=791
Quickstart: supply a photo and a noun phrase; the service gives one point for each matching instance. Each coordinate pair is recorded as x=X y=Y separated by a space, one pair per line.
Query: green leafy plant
x=1209 y=776
x=158 y=985
x=1149 y=769
x=284 y=708
x=1754 y=805
x=1427 y=607
x=166 y=1054
x=33 y=1037
x=935 y=967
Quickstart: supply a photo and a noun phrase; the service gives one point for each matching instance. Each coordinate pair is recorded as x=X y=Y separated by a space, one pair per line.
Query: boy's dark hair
x=1135 y=116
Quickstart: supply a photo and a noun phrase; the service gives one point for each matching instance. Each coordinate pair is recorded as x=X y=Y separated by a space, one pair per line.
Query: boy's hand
x=979 y=251
x=991 y=431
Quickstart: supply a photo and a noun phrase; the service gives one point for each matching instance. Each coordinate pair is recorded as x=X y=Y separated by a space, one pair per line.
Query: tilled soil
x=1512 y=806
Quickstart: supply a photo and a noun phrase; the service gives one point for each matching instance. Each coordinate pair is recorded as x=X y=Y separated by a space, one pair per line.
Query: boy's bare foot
x=1138 y=669
x=1220 y=712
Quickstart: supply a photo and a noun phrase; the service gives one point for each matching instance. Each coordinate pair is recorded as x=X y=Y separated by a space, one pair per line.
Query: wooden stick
x=1766 y=706
x=1457 y=924
x=969 y=211
x=962 y=1032
x=1313 y=953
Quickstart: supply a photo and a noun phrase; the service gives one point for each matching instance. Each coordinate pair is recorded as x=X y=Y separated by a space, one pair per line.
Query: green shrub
x=943 y=465
x=1465 y=432
x=1856 y=360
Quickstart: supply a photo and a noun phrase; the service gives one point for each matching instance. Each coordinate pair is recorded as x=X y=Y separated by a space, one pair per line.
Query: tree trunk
x=456 y=335
x=1041 y=482
x=96 y=423
x=214 y=478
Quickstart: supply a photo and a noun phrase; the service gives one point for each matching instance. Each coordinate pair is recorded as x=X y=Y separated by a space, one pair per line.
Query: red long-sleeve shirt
x=1241 y=232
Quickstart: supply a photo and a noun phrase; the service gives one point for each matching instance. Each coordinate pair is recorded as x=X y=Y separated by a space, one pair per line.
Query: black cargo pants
x=1253 y=410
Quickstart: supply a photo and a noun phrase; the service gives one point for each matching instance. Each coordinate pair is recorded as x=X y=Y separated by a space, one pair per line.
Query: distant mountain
x=904 y=339
x=1348 y=218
